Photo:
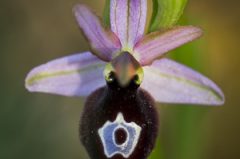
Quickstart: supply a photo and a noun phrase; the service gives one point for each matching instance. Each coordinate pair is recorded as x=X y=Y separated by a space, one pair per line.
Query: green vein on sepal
x=188 y=82
x=44 y=75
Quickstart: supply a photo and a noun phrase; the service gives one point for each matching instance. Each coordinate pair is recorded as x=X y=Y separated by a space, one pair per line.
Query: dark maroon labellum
x=119 y=123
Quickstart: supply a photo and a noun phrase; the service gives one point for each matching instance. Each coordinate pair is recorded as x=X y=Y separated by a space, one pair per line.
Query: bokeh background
x=42 y=126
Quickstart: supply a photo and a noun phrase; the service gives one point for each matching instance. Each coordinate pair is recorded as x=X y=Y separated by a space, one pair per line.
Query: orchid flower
x=166 y=80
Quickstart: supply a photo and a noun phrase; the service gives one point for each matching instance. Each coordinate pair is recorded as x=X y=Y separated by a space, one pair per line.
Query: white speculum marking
x=108 y=132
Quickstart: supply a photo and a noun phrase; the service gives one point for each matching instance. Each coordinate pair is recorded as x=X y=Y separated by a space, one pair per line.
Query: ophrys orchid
x=119 y=118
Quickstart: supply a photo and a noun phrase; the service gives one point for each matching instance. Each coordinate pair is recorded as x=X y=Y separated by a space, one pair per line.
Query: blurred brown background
x=44 y=126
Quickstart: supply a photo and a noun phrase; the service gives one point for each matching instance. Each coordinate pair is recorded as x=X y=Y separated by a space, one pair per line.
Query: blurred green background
x=42 y=126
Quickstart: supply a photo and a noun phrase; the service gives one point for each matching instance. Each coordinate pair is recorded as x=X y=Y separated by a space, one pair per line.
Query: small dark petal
x=133 y=106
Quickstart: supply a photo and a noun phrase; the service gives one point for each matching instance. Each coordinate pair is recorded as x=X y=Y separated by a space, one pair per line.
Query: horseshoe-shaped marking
x=107 y=134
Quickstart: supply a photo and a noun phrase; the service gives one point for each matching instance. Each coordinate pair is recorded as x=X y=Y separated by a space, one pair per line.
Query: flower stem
x=106 y=13
x=166 y=13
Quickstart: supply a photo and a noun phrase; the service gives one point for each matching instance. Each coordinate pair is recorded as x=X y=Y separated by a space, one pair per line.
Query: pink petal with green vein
x=156 y=44
x=75 y=75
x=104 y=43
x=128 y=18
x=170 y=82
